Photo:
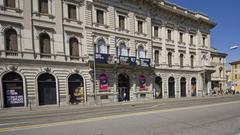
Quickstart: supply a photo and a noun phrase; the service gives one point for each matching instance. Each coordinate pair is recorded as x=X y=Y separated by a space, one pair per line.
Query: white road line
x=16 y=123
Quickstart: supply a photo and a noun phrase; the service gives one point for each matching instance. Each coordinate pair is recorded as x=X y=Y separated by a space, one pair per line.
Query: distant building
x=228 y=78
x=219 y=76
x=235 y=74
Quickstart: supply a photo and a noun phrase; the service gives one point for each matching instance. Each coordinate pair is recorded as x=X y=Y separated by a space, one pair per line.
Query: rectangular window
x=10 y=3
x=191 y=39
x=235 y=66
x=169 y=32
x=236 y=76
x=100 y=16
x=72 y=12
x=43 y=6
x=180 y=37
x=155 y=31
x=140 y=26
x=121 y=22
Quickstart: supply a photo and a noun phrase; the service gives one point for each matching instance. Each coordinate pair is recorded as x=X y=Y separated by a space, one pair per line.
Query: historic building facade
x=82 y=51
x=219 y=80
x=235 y=75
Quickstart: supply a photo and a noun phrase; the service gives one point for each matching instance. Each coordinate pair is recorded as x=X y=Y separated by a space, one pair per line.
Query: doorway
x=123 y=87
x=183 y=87
x=47 y=89
x=76 y=89
x=158 y=87
x=171 y=87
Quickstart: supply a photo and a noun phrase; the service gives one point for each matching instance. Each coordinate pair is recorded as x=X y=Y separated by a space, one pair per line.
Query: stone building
x=219 y=80
x=82 y=51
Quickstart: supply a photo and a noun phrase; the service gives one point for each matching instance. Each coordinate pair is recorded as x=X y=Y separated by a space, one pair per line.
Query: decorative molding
x=12 y=68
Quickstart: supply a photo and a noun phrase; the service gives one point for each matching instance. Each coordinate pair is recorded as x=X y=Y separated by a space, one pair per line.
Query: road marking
x=16 y=123
x=109 y=117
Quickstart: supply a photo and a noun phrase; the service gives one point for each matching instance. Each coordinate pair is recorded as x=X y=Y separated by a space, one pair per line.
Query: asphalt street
x=213 y=116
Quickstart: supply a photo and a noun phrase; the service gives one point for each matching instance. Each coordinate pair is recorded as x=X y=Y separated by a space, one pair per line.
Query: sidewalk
x=50 y=108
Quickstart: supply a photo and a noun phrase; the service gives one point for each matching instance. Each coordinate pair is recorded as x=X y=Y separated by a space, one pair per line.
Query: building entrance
x=123 y=88
x=13 y=90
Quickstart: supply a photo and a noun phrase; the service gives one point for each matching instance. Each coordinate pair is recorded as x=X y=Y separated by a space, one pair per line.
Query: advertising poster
x=142 y=82
x=103 y=82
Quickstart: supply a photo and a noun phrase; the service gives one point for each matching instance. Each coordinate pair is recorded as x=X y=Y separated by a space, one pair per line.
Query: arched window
x=156 y=57
x=45 y=45
x=181 y=60
x=123 y=50
x=101 y=47
x=43 y=6
x=141 y=53
x=11 y=43
x=192 y=61
x=74 y=47
x=170 y=59
x=10 y=3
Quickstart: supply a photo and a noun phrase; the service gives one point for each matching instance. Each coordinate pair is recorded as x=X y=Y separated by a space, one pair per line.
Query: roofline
x=235 y=62
x=187 y=13
x=219 y=54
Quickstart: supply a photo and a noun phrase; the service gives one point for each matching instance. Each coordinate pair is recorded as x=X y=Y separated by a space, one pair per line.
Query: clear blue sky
x=226 y=13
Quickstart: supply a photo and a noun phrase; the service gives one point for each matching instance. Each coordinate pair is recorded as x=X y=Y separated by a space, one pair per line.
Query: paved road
x=215 y=116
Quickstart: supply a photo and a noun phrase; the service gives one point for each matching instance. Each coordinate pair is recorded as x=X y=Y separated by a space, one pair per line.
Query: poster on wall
x=142 y=82
x=103 y=82
x=14 y=97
